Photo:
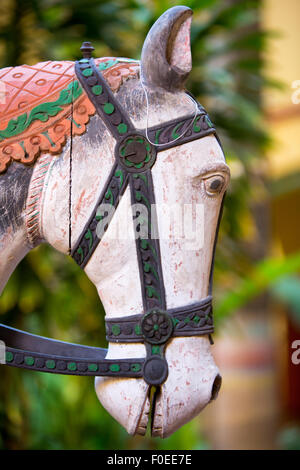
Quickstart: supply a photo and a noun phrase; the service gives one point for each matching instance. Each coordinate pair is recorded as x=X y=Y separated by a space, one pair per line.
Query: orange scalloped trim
x=34 y=141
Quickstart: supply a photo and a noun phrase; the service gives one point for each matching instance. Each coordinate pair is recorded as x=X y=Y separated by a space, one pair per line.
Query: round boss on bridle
x=136 y=151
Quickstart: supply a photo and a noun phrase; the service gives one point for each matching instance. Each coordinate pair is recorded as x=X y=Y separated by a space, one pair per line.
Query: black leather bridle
x=156 y=325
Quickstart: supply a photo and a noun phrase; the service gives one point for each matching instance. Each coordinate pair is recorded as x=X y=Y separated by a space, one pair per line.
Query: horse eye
x=214 y=184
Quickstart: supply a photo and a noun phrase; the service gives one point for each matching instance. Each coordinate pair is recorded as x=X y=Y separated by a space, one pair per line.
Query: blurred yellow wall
x=282 y=111
x=283 y=64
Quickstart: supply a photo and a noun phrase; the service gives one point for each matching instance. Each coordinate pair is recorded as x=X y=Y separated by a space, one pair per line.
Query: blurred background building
x=259 y=407
x=246 y=72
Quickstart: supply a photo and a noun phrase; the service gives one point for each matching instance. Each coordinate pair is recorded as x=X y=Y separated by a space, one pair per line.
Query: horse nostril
x=216 y=387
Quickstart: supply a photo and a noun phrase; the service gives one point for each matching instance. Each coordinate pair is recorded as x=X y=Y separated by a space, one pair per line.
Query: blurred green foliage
x=48 y=294
x=271 y=273
x=287 y=290
x=289 y=438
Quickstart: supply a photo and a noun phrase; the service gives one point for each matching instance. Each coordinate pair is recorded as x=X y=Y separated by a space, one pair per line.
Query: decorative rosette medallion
x=157 y=327
x=136 y=153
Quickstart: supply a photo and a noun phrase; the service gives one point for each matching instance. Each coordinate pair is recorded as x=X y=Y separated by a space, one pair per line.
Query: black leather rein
x=134 y=158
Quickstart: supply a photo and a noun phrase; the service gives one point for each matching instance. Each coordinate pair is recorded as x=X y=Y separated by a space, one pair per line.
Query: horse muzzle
x=193 y=381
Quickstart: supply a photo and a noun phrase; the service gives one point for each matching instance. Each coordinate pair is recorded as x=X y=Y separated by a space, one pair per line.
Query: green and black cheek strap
x=136 y=151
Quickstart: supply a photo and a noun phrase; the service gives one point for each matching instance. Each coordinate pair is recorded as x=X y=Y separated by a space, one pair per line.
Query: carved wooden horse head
x=100 y=153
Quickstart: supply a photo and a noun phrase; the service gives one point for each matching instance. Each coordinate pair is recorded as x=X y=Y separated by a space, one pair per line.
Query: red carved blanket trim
x=28 y=87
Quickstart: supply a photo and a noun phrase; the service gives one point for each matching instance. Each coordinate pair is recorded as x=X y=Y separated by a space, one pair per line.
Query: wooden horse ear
x=166 y=59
